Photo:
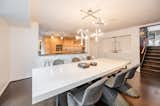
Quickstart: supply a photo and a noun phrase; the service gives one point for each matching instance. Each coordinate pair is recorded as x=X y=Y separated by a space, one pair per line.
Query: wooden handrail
x=144 y=50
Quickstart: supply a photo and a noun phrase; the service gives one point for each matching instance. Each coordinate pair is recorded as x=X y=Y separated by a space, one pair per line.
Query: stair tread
x=154 y=47
x=152 y=57
x=150 y=74
x=151 y=61
x=153 y=51
x=151 y=65
x=153 y=54
x=148 y=69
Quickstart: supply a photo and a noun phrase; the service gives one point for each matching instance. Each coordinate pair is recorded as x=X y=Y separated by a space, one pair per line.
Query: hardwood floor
x=149 y=90
x=19 y=93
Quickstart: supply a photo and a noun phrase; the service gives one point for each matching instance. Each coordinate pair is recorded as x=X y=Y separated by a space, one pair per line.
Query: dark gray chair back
x=58 y=62
x=119 y=79
x=75 y=59
x=131 y=71
x=93 y=93
x=89 y=57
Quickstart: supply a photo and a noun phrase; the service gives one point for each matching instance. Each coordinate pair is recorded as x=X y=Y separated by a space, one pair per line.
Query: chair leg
x=129 y=90
x=111 y=97
x=63 y=99
x=57 y=100
x=70 y=100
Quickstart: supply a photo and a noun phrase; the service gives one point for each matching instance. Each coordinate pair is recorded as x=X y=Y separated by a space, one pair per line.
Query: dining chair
x=75 y=59
x=87 y=95
x=58 y=62
x=60 y=97
x=89 y=58
x=111 y=96
x=126 y=88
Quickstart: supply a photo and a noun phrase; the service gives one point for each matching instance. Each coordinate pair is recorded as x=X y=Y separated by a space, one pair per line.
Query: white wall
x=4 y=55
x=129 y=45
x=23 y=53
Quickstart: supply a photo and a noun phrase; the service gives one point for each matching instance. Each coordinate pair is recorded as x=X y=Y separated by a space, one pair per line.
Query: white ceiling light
x=61 y=35
x=98 y=21
x=77 y=37
x=83 y=35
x=52 y=37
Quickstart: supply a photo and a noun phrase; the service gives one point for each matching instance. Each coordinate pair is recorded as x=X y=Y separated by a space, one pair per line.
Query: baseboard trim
x=6 y=85
x=4 y=88
x=20 y=78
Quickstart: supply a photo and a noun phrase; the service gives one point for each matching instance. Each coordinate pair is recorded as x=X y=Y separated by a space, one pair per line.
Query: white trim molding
x=4 y=88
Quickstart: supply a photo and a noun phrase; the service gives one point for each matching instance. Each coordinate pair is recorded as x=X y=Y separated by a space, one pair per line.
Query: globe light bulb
x=52 y=37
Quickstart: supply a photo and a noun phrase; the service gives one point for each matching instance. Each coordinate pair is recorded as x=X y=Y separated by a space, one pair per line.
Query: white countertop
x=51 y=81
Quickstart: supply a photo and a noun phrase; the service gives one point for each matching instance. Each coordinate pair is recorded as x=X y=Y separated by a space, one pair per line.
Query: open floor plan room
x=79 y=53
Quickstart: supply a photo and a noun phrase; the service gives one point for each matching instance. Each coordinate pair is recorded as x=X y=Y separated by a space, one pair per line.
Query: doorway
x=153 y=35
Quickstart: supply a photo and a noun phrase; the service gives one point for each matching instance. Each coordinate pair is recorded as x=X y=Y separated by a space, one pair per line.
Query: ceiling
x=15 y=11
x=65 y=15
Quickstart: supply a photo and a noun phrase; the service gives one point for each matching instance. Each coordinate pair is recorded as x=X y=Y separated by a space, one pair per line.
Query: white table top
x=51 y=81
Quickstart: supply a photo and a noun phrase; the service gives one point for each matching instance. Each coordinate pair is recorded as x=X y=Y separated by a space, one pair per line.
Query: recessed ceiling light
x=52 y=37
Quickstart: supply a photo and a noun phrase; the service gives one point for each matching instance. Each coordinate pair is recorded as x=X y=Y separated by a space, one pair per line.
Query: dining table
x=48 y=82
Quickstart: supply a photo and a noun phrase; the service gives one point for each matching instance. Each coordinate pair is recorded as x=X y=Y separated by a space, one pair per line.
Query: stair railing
x=143 y=52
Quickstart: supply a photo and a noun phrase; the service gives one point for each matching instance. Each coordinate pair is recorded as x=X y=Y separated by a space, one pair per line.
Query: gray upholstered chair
x=89 y=58
x=58 y=61
x=87 y=95
x=126 y=88
x=131 y=71
x=60 y=97
x=111 y=96
x=75 y=59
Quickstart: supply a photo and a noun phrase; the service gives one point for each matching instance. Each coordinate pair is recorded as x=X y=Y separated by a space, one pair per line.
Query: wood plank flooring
x=19 y=93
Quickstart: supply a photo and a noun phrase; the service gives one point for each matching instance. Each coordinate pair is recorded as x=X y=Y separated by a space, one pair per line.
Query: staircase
x=151 y=64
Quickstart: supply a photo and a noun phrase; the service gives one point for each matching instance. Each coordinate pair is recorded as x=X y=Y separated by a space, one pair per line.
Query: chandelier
x=98 y=23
